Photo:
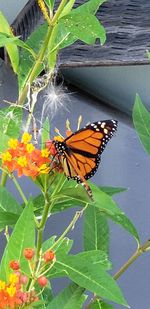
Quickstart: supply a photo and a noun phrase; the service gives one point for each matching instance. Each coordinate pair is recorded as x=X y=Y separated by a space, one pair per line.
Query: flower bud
x=23 y=279
x=17 y=273
x=49 y=256
x=28 y=253
x=42 y=281
x=14 y=264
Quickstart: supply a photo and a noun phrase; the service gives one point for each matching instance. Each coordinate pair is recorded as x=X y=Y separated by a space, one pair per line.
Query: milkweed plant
x=30 y=262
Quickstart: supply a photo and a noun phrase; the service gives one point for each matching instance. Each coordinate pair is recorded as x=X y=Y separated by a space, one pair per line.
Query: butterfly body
x=80 y=153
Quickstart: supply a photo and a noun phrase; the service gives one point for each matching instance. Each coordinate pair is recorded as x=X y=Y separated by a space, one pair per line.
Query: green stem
x=41 y=225
x=39 y=243
x=3 y=179
x=19 y=189
x=58 y=12
x=58 y=186
x=145 y=247
x=40 y=57
x=47 y=208
x=35 y=68
x=69 y=227
x=40 y=231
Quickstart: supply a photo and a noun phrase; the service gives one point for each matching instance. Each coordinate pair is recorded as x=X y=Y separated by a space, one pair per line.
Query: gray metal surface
x=11 y=8
x=124 y=163
x=116 y=85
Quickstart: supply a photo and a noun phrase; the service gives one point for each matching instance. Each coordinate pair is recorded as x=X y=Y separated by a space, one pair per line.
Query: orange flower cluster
x=24 y=158
x=12 y=294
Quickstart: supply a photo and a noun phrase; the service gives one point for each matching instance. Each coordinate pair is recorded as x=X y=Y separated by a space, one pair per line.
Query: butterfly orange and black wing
x=80 y=153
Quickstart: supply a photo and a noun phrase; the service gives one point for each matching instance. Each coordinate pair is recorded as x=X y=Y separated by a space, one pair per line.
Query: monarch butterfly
x=80 y=153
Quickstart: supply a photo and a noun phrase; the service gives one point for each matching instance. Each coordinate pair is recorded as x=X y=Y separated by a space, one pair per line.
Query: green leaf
x=93 y=256
x=10 y=210
x=112 y=190
x=89 y=7
x=83 y=26
x=71 y=297
x=56 y=273
x=63 y=38
x=109 y=207
x=61 y=204
x=141 y=119
x=46 y=295
x=38 y=203
x=20 y=43
x=50 y=4
x=67 y=9
x=4 y=141
x=23 y=236
x=45 y=132
x=7 y=219
x=52 y=56
x=6 y=38
x=126 y=224
x=10 y=121
x=68 y=196
x=63 y=247
x=148 y=54
x=48 y=243
x=103 y=201
x=27 y=62
x=78 y=194
x=11 y=48
x=80 y=24
x=92 y=276
x=72 y=196
x=98 y=304
x=96 y=230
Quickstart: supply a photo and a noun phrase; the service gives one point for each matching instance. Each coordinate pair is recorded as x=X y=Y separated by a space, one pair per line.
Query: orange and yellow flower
x=25 y=159
x=12 y=294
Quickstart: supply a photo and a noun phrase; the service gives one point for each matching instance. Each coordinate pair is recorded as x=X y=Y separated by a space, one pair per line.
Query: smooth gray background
x=124 y=163
x=114 y=84
x=11 y=8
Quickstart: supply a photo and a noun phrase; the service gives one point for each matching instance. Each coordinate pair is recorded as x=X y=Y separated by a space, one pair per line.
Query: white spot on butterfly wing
x=103 y=125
